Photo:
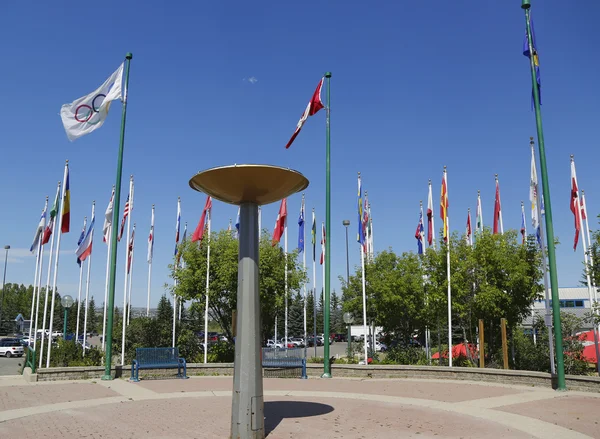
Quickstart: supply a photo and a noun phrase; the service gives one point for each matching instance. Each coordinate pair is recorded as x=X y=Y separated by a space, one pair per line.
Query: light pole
x=346 y=223
x=348 y=319
x=7 y=248
x=66 y=302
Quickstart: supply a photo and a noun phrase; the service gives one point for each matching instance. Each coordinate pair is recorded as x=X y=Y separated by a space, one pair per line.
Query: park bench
x=157 y=358
x=277 y=358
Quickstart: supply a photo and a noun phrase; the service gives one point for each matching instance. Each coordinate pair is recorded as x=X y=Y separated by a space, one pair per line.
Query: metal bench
x=284 y=359
x=157 y=358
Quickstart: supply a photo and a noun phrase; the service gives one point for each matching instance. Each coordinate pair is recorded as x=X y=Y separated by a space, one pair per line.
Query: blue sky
x=414 y=87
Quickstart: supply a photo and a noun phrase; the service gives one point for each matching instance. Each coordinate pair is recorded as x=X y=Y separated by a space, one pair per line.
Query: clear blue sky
x=415 y=86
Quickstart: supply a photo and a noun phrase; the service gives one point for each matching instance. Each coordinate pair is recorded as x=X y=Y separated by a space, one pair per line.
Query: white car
x=379 y=347
x=11 y=347
x=272 y=344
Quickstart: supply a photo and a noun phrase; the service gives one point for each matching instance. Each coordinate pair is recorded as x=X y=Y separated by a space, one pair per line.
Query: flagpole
x=208 y=214
x=62 y=207
x=87 y=282
x=500 y=203
x=304 y=268
x=448 y=275
x=126 y=273
x=79 y=289
x=314 y=289
x=130 y=278
x=113 y=233
x=560 y=364
x=150 y=264
x=324 y=237
x=364 y=302
x=587 y=227
x=586 y=263
x=48 y=277
x=37 y=299
x=326 y=364
x=285 y=277
x=176 y=267
x=106 y=293
x=35 y=279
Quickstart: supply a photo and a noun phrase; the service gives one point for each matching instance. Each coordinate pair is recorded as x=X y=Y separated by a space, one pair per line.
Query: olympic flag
x=88 y=113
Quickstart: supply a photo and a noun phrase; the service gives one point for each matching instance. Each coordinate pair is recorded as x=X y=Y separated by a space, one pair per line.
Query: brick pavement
x=336 y=408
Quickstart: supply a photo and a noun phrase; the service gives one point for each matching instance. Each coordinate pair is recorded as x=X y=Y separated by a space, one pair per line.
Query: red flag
x=323 y=241
x=313 y=106
x=575 y=204
x=497 y=208
x=280 y=223
x=199 y=232
x=130 y=250
x=430 y=216
x=444 y=207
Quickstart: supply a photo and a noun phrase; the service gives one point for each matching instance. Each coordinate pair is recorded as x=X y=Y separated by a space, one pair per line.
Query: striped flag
x=313 y=233
x=420 y=233
x=108 y=217
x=130 y=250
x=66 y=212
x=444 y=206
x=177 y=226
x=53 y=213
x=125 y=215
x=151 y=238
x=85 y=247
x=81 y=238
x=39 y=230
x=468 y=231
x=575 y=203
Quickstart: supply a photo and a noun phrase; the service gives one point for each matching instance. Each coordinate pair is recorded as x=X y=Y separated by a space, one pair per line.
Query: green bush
x=68 y=353
x=221 y=352
x=406 y=355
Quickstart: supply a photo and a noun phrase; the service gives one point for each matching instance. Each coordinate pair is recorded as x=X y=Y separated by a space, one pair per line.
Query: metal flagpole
x=176 y=267
x=113 y=232
x=304 y=268
x=560 y=364
x=285 y=277
x=585 y=260
x=364 y=302
x=587 y=227
x=48 y=277
x=130 y=278
x=126 y=274
x=108 y=241
x=314 y=279
x=327 y=262
x=322 y=295
x=80 y=283
x=208 y=214
x=62 y=206
x=150 y=255
x=447 y=235
x=35 y=278
x=87 y=283
x=37 y=298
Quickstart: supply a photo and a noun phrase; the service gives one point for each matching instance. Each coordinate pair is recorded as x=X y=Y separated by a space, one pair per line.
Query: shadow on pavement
x=276 y=411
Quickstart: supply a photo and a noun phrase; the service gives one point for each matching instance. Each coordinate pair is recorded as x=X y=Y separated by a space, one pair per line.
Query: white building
x=574 y=300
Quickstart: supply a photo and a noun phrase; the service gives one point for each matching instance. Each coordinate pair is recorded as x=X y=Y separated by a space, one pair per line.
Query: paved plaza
x=200 y=407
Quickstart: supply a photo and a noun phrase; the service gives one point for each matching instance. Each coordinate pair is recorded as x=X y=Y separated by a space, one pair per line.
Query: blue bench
x=157 y=358
x=284 y=359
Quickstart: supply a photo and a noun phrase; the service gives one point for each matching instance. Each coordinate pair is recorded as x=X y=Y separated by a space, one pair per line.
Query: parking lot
x=10 y=366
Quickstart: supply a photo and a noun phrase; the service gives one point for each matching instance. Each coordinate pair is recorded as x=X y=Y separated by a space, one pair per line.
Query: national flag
x=583 y=207
x=536 y=60
x=533 y=197
x=497 y=211
x=301 y=228
x=313 y=233
x=468 y=231
x=126 y=211
x=81 y=238
x=430 y=216
x=323 y=241
x=66 y=209
x=108 y=218
x=183 y=239
x=151 y=239
x=177 y=227
x=237 y=225
x=50 y=226
x=88 y=113
x=444 y=207
x=39 y=230
x=575 y=204
x=130 y=250
x=361 y=231
x=420 y=233
x=280 y=223
x=479 y=215
x=523 y=227
x=85 y=247
x=199 y=232
x=313 y=106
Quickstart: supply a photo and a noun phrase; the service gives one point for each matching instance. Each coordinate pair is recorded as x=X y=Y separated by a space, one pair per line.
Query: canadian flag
x=313 y=106
x=575 y=204
x=199 y=232
x=323 y=241
x=280 y=223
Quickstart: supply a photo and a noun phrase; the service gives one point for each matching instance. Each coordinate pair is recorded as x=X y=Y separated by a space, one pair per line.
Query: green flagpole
x=560 y=363
x=326 y=365
x=113 y=234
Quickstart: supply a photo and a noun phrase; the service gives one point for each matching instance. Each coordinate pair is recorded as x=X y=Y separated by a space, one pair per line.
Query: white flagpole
x=48 y=282
x=37 y=298
x=35 y=278
x=130 y=277
x=449 y=290
x=79 y=289
x=178 y=223
x=62 y=206
x=589 y=240
x=314 y=289
x=364 y=302
x=321 y=296
x=106 y=292
x=208 y=219
x=87 y=284
x=151 y=256
x=304 y=268
x=126 y=258
x=285 y=253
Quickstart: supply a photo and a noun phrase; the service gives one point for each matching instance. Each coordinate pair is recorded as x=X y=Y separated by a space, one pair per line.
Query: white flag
x=108 y=217
x=533 y=193
x=88 y=113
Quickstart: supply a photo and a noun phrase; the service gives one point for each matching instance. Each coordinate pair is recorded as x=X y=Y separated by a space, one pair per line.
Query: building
x=574 y=300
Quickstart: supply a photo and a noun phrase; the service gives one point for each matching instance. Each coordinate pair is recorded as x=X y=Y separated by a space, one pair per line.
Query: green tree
x=337 y=322
x=223 y=276
x=92 y=323
x=296 y=317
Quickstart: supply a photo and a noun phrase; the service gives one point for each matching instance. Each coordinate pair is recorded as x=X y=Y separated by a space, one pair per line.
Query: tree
x=92 y=323
x=310 y=323
x=337 y=321
x=296 y=317
x=223 y=277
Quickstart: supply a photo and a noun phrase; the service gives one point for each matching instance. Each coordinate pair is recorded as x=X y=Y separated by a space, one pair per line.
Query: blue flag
x=301 y=229
x=536 y=61
x=361 y=231
x=420 y=234
x=81 y=238
x=237 y=225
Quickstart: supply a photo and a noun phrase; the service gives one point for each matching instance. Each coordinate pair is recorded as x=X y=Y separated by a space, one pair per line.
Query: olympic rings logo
x=85 y=112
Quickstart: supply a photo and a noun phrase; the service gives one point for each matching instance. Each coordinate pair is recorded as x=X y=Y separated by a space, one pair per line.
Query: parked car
x=340 y=337
x=379 y=347
x=10 y=347
x=311 y=341
x=298 y=341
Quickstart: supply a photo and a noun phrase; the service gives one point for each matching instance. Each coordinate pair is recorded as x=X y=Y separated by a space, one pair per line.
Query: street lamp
x=346 y=223
x=348 y=319
x=7 y=248
x=67 y=302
